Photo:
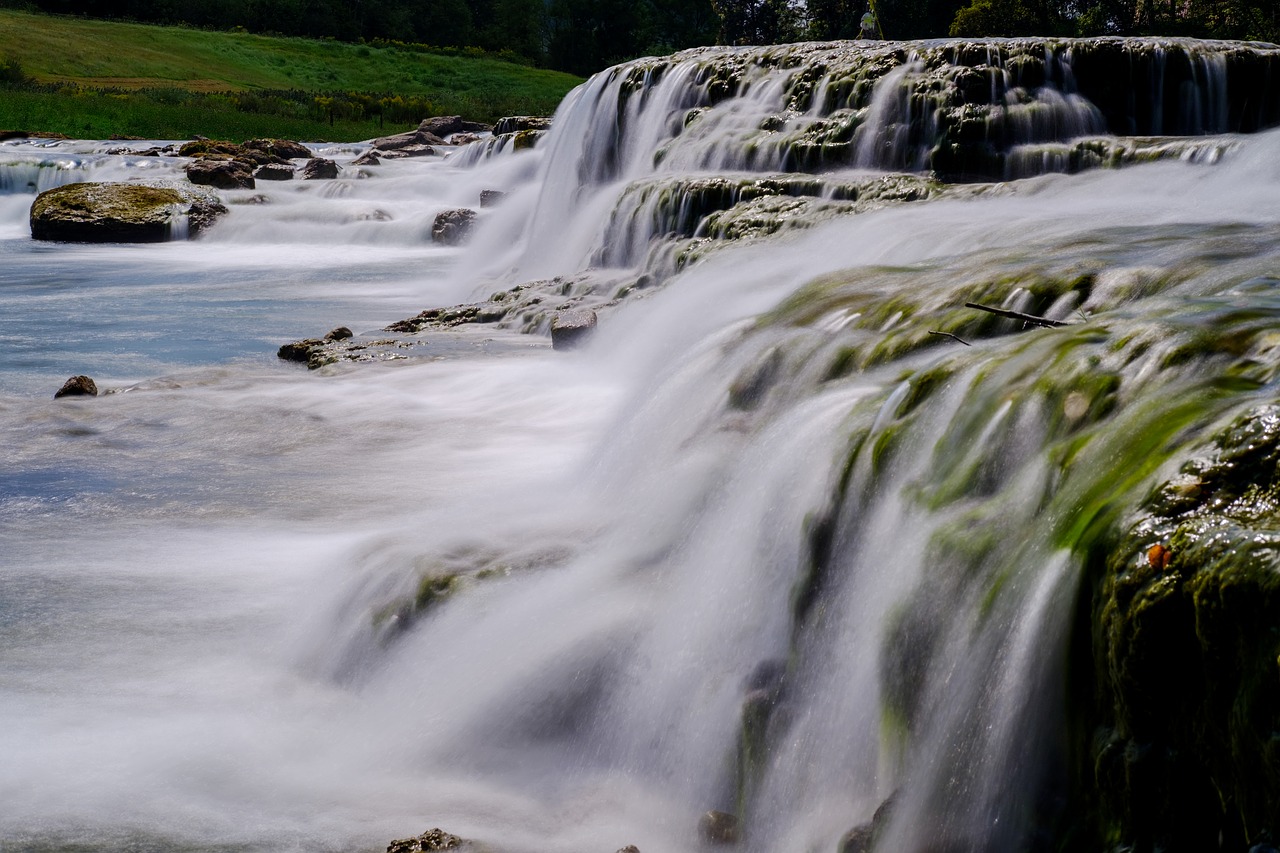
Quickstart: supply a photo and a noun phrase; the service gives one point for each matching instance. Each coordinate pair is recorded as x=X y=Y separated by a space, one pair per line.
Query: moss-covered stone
x=1185 y=747
x=121 y=212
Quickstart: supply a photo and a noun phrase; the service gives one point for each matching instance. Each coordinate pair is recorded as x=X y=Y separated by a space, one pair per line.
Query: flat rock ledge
x=122 y=212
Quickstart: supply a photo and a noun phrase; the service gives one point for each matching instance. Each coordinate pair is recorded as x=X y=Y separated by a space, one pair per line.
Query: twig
x=949 y=335
x=1018 y=315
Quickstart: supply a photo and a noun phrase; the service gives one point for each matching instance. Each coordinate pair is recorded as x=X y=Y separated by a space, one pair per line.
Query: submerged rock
x=77 y=386
x=719 y=828
x=120 y=213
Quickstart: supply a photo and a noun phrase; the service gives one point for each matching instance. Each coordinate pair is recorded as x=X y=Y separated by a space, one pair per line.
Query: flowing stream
x=763 y=545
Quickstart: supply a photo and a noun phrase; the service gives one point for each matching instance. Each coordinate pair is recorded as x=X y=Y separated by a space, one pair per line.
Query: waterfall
x=798 y=551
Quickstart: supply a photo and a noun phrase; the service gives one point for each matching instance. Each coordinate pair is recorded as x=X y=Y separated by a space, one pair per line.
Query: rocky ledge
x=122 y=212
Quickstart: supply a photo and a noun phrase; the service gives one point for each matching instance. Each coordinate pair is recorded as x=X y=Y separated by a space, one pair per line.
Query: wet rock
x=422 y=150
x=630 y=848
x=442 y=126
x=514 y=124
x=203 y=213
x=432 y=839
x=120 y=213
x=719 y=828
x=217 y=149
x=452 y=227
x=77 y=386
x=368 y=158
x=319 y=168
x=572 y=328
x=491 y=198
x=283 y=148
x=223 y=174
x=339 y=334
x=856 y=840
x=415 y=143
x=300 y=350
x=273 y=172
x=1182 y=747
x=463 y=138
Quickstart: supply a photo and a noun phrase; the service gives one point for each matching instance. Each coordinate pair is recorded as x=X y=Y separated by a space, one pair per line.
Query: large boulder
x=223 y=174
x=121 y=213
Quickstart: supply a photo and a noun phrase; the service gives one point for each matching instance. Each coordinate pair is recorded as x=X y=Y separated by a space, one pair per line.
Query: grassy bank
x=96 y=78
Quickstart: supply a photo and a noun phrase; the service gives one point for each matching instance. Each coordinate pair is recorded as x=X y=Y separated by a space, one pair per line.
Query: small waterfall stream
x=797 y=537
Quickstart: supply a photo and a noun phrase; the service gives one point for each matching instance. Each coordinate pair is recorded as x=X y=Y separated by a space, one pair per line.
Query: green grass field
x=102 y=78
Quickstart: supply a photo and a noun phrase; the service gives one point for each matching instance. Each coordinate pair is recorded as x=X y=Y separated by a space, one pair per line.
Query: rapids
x=765 y=545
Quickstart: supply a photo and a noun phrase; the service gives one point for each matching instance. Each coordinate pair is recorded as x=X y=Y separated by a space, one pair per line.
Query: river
x=197 y=568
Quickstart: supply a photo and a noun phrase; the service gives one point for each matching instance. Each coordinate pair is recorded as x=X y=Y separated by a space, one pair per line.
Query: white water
x=190 y=570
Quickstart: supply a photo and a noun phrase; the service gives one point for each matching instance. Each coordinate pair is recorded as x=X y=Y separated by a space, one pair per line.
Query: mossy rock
x=1185 y=744
x=120 y=212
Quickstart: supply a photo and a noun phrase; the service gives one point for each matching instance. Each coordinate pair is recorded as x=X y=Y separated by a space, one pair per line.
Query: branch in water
x=1018 y=315
x=949 y=335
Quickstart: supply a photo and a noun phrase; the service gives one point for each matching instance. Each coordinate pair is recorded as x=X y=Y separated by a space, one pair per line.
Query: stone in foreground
x=120 y=212
x=77 y=386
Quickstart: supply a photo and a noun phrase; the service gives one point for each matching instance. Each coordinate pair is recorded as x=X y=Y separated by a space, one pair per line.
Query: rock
x=409 y=140
x=120 y=212
x=1187 y=699
x=77 y=386
x=463 y=138
x=571 y=328
x=284 y=148
x=523 y=140
x=299 y=350
x=368 y=158
x=203 y=213
x=318 y=168
x=223 y=174
x=630 y=848
x=490 y=198
x=217 y=149
x=719 y=828
x=432 y=839
x=407 y=151
x=442 y=126
x=273 y=172
x=451 y=227
x=339 y=334
x=856 y=840
x=514 y=124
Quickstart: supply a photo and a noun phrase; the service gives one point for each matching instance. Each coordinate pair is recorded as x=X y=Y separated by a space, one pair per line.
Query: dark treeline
x=583 y=36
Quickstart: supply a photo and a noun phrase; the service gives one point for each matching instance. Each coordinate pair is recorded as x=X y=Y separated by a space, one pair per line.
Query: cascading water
x=797 y=537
